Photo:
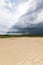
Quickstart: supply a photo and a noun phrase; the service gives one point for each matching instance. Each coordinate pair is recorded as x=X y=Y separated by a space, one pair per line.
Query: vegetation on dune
x=29 y=35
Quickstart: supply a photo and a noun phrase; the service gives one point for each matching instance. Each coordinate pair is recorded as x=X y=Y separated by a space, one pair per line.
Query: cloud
x=32 y=21
x=9 y=12
x=1 y=3
x=20 y=12
x=34 y=14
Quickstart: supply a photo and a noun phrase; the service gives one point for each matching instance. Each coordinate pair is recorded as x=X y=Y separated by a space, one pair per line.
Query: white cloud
x=11 y=15
x=22 y=8
x=1 y=3
x=39 y=18
x=6 y=15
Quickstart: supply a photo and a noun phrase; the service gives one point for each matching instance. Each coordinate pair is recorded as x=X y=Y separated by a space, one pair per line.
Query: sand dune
x=21 y=51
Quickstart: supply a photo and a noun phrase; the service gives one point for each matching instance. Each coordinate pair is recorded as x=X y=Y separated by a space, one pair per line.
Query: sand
x=21 y=51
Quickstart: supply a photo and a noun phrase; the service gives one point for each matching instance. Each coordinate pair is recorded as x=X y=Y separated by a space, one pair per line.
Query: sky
x=12 y=10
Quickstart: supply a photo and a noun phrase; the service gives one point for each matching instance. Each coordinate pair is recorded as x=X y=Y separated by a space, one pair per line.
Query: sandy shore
x=21 y=51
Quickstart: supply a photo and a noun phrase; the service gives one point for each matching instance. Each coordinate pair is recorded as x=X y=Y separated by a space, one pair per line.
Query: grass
x=27 y=35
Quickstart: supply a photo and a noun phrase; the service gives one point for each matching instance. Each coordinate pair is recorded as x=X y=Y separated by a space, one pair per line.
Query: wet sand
x=21 y=51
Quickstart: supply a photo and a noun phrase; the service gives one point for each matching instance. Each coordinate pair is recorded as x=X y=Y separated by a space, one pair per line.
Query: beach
x=21 y=51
